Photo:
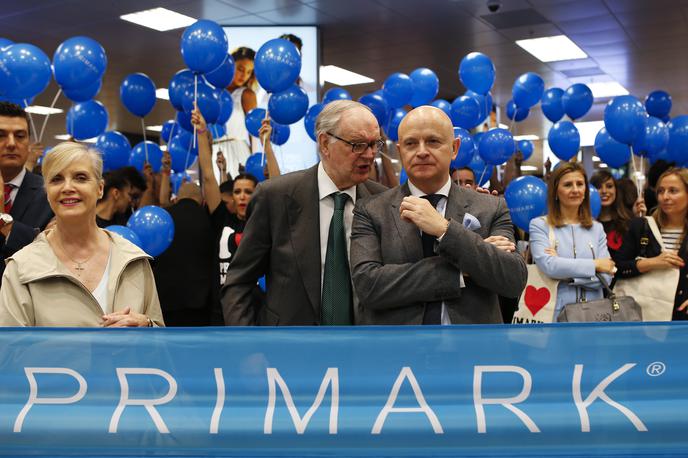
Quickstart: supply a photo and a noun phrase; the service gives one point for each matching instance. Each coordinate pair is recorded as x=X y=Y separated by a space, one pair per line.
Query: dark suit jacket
x=394 y=282
x=31 y=213
x=281 y=241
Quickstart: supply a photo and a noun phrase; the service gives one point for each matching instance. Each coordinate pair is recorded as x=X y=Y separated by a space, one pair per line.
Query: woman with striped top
x=641 y=252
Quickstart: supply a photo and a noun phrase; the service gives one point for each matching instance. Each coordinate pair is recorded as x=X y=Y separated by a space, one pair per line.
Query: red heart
x=237 y=237
x=536 y=298
x=614 y=240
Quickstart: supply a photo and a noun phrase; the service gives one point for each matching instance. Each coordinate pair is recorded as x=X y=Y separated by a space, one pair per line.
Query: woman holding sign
x=567 y=244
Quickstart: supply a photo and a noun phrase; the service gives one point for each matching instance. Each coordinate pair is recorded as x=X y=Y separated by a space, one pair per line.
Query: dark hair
x=245 y=176
x=657 y=169
x=468 y=169
x=133 y=177
x=114 y=179
x=12 y=110
x=621 y=212
x=554 y=217
x=226 y=187
x=243 y=53
x=296 y=41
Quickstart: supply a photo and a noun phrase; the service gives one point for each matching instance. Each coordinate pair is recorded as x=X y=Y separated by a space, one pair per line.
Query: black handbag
x=611 y=308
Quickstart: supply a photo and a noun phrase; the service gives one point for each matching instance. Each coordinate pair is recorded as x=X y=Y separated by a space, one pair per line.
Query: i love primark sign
x=531 y=390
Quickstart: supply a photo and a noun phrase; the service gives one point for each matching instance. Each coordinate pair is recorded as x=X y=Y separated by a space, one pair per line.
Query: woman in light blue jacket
x=580 y=243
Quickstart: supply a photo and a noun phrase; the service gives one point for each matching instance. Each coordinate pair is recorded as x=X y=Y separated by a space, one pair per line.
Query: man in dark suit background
x=417 y=262
x=299 y=226
x=25 y=209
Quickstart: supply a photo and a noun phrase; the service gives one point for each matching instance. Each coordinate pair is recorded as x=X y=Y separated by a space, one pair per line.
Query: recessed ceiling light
x=160 y=19
x=528 y=168
x=154 y=128
x=163 y=147
x=530 y=137
x=162 y=93
x=89 y=140
x=596 y=159
x=341 y=76
x=588 y=131
x=607 y=89
x=37 y=109
x=602 y=165
x=63 y=137
x=552 y=49
x=502 y=126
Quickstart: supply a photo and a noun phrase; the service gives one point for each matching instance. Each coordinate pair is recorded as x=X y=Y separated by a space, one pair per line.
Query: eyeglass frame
x=380 y=143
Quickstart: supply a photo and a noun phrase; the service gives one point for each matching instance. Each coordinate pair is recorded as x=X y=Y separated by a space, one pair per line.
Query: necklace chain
x=79 y=264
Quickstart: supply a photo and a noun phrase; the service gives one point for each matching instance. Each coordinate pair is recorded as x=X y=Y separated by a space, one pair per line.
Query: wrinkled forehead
x=358 y=123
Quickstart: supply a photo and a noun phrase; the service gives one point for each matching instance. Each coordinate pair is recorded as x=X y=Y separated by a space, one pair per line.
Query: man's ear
x=323 y=144
x=457 y=145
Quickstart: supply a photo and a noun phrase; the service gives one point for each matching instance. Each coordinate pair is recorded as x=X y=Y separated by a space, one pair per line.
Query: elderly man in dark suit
x=298 y=230
x=429 y=251
x=25 y=210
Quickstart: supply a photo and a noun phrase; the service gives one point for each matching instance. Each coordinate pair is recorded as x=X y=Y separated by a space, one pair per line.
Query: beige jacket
x=38 y=290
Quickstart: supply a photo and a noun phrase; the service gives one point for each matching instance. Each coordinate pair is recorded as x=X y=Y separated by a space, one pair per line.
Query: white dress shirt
x=17 y=182
x=441 y=209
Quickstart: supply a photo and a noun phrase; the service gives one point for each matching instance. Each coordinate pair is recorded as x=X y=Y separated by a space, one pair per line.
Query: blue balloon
x=425 y=86
x=526 y=148
x=395 y=117
x=186 y=141
x=24 y=70
x=179 y=153
x=177 y=179
x=83 y=94
x=398 y=89
x=127 y=233
x=496 y=146
x=466 y=148
x=79 y=62
x=226 y=107
x=208 y=100
x=4 y=42
x=277 y=65
x=218 y=130
x=336 y=93
x=87 y=120
x=564 y=140
x=595 y=201
x=288 y=106
x=138 y=94
x=115 y=150
x=477 y=72
x=662 y=155
x=403 y=177
x=442 y=105
x=311 y=117
x=484 y=102
x=223 y=75
x=677 y=148
x=514 y=113
x=577 y=100
x=552 y=105
x=465 y=112
x=280 y=133
x=611 y=152
x=624 y=118
x=253 y=120
x=21 y=102
x=658 y=104
x=254 y=166
x=378 y=106
x=167 y=130
x=528 y=89
x=155 y=228
x=204 y=46
x=526 y=198
x=653 y=139
x=177 y=87
x=137 y=158
x=184 y=121
x=482 y=171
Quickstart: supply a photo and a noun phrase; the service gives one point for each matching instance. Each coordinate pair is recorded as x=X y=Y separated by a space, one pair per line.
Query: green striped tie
x=337 y=303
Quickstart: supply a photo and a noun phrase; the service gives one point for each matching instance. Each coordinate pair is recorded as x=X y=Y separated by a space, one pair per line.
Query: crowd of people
x=340 y=243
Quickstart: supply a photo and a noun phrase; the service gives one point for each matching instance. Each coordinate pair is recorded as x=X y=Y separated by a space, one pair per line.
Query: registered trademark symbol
x=655 y=369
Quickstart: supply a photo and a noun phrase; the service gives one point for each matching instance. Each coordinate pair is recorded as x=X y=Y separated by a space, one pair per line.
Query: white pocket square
x=470 y=222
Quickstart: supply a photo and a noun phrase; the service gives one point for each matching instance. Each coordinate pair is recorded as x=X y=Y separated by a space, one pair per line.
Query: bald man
x=429 y=251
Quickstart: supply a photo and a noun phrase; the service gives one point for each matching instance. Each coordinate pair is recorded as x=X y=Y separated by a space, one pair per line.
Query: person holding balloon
x=615 y=215
x=76 y=274
x=580 y=244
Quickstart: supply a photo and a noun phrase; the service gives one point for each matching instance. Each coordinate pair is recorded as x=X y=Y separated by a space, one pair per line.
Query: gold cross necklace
x=79 y=264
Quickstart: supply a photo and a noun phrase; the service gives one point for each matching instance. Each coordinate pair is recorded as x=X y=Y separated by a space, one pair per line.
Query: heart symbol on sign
x=536 y=298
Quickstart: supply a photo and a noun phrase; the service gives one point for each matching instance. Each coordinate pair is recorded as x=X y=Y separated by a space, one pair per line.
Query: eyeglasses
x=361 y=147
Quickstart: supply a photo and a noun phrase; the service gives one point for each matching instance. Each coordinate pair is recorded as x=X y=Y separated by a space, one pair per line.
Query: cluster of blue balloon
x=150 y=228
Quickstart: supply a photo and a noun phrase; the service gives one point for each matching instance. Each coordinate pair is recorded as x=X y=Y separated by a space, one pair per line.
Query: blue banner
x=538 y=390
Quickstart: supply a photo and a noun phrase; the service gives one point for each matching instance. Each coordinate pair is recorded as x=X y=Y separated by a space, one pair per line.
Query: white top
x=672 y=238
x=236 y=125
x=441 y=209
x=100 y=293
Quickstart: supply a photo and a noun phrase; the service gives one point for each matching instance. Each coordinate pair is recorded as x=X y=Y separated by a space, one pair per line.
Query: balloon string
x=636 y=177
x=512 y=122
x=145 y=141
x=45 y=121
x=174 y=124
x=186 y=161
x=265 y=137
x=481 y=176
x=195 y=105
x=33 y=126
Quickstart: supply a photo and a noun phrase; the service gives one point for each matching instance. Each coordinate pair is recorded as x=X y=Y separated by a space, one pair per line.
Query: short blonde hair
x=64 y=154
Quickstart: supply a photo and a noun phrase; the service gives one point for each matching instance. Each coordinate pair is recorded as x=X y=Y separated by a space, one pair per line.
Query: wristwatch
x=6 y=218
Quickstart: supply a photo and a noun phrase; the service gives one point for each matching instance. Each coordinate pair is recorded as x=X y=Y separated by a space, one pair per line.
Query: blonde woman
x=76 y=274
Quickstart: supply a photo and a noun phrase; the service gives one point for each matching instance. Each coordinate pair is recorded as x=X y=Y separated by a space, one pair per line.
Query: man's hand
x=502 y=243
x=5 y=229
x=483 y=190
x=421 y=213
x=166 y=163
x=125 y=318
x=35 y=153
